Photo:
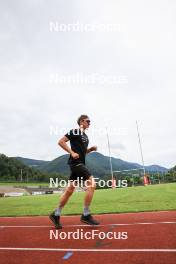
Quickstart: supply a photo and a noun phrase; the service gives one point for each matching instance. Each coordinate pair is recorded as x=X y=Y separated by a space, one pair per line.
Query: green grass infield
x=120 y=200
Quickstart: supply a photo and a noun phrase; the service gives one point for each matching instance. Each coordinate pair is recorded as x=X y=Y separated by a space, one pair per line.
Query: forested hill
x=13 y=169
x=98 y=164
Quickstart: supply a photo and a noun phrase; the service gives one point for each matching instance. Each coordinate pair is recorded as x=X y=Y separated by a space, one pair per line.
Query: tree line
x=12 y=169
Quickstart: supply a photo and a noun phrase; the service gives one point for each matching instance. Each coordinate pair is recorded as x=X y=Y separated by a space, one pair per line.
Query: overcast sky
x=139 y=53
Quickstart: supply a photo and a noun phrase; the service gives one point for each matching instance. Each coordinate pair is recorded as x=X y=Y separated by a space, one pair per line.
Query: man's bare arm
x=62 y=143
x=94 y=148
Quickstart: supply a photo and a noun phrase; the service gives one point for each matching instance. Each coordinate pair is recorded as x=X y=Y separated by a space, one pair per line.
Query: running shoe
x=56 y=220
x=88 y=219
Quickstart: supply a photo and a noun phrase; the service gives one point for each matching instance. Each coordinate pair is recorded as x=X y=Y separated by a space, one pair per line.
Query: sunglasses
x=87 y=121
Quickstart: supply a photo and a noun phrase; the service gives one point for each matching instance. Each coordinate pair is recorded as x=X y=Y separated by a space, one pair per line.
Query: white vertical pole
x=21 y=175
x=140 y=147
x=110 y=159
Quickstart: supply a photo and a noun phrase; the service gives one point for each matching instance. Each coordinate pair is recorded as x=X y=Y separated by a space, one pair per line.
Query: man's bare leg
x=90 y=188
x=64 y=198
x=86 y=216
x=66 y=195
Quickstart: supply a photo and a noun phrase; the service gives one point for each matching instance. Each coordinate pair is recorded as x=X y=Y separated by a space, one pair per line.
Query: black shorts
x=79 y=172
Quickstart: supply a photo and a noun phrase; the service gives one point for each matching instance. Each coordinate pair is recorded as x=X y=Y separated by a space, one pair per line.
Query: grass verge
x=132 y=199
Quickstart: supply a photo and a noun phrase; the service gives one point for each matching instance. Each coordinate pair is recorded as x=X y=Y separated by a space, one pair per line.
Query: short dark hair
x=82 y=117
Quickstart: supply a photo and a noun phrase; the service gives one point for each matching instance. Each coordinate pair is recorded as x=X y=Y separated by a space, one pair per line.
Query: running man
x=79 y=148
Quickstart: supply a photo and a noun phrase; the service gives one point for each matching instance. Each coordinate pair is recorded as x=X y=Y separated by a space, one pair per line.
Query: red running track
x=151 y=238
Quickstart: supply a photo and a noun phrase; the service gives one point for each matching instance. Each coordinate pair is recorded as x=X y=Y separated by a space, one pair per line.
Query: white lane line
x=93 y=249
x=46 y=226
